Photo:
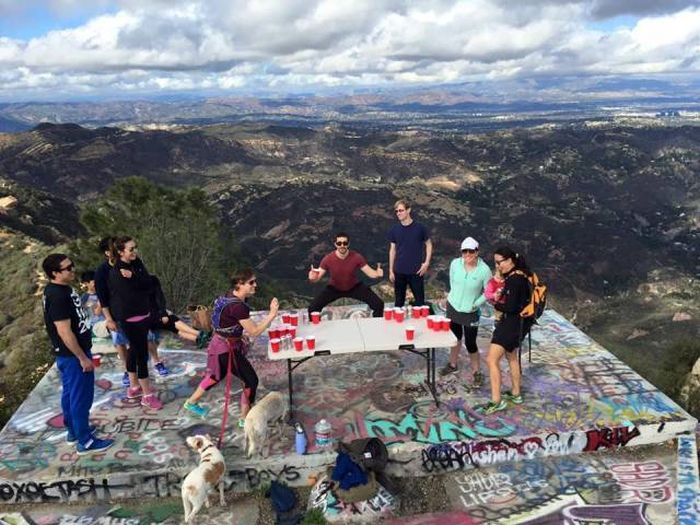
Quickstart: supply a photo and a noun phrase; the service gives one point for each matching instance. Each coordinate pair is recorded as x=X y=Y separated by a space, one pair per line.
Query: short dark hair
x=341 y=234
x=52 y=264
x=87 y=276
x=241 y=276
x=105 y=244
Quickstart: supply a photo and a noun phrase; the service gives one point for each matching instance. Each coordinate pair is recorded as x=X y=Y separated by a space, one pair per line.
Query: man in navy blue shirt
x=410 y=250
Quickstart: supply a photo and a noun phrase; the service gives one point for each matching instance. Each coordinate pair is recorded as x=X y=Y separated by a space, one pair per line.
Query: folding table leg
x=430 y=374
x=289 y=379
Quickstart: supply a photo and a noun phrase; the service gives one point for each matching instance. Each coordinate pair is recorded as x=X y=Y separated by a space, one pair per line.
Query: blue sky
x=62 y=49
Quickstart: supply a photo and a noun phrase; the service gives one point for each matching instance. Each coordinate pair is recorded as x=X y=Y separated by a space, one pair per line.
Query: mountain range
x=606 y=213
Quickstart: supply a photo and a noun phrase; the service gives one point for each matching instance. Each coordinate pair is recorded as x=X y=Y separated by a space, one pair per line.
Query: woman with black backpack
x=510 y=329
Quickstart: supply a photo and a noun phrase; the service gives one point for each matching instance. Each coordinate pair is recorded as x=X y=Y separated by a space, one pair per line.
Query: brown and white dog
x=207 y=475
x=271 y=408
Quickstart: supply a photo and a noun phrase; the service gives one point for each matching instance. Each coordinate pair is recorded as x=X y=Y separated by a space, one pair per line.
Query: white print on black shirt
x=83 y=319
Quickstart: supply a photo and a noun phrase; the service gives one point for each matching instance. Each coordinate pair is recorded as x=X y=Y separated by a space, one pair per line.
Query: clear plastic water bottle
x=322 y=432
x=300 y=440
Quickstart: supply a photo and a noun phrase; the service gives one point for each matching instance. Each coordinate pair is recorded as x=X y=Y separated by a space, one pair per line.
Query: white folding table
x=346 y=336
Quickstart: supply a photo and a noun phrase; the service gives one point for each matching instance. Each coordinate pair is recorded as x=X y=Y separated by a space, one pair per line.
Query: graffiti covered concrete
x=578 y=398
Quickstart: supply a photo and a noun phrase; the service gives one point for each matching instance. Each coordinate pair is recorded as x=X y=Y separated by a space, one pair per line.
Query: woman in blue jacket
x=469 y=275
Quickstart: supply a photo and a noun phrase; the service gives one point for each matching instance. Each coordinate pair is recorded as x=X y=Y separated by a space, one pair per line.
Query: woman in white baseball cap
x=468 y=277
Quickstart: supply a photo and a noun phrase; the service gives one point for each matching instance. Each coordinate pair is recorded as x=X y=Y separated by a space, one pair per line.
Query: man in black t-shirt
x=68 y=327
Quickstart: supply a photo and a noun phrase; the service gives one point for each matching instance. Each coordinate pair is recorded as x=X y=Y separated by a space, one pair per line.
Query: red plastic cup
x=294 y=319
x=410 y=333
x=285 y=318
x=97 y=360
x=311 y=342
x=274 y=333
x=444 y=324
x=416 y=312
x=292 y=330
x=298 y=344
x=275 y=344
x=388 y=313
x=431 y=322
x=315 y=317
x=399 y=315
x=425 y=310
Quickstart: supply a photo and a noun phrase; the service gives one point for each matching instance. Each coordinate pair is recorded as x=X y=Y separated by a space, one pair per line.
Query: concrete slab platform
x=578 y=398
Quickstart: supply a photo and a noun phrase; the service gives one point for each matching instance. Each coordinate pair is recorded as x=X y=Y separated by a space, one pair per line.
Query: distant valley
x=602 y=210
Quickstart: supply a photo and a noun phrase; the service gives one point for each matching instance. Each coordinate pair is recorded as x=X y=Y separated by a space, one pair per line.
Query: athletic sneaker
x=508 y=396
x=125 y=380
x=478 y=379
x=70 y=438
x=491 y=407
x=152 y=402
x=161 y=369
x=94 y=445
x=196 y=409
x=134 y=393
x=448 y=369
x=203 y=339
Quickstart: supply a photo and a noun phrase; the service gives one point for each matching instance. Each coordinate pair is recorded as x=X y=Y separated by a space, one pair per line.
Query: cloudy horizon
x=72 y=49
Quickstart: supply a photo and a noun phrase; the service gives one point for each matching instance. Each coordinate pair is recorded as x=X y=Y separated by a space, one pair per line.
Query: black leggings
x=469 y=336
x=242 y=369
x=360 y=291
x=137 y=334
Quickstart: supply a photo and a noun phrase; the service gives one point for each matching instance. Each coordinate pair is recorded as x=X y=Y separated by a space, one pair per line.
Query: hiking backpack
x=219 y=304
x=538 y=297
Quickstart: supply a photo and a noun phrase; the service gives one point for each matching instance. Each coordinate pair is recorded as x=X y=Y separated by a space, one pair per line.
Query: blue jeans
x=78 y=389
x=415 y=281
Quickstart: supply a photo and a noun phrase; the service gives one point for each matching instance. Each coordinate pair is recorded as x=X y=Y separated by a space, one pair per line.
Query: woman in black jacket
x=138 y=305
x=510 y=329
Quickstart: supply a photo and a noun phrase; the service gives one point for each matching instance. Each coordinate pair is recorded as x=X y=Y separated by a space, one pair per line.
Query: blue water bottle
x=300 y=440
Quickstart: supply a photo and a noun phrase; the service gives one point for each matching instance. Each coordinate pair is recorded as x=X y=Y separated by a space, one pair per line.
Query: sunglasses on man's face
x=342 y=243
x=469 y=250
x=68 y=268
x=252 y=282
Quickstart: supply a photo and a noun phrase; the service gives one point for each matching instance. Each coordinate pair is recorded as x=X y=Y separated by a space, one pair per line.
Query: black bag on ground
x=282 y=498
x=370 y=453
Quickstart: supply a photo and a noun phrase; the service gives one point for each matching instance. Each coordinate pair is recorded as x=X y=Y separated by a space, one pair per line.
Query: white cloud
x=222 y=44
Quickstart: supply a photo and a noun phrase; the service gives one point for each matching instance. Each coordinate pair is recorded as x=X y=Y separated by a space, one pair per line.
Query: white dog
x=271 y=408
x=208 y=474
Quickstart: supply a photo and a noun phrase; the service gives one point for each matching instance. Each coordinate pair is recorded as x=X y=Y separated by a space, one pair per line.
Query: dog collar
x=205 y=448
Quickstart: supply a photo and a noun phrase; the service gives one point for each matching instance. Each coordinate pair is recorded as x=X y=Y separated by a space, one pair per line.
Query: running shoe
x=125 y=380
x=152 y=402
x=478 y=379
x=70 y=438
x=196 y=409
x=448 y=369
x=134 y=393
x=508 y=396
x=203 y=339
x=491 y=407
x=161 y=369
x=94 y=445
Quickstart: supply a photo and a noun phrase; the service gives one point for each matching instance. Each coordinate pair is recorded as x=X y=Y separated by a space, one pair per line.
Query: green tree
x=178 y=233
